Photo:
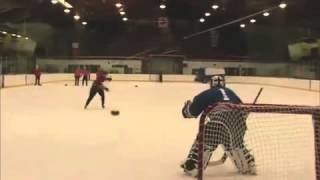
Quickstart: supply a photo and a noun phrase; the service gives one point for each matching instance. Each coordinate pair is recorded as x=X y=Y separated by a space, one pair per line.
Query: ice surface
x=47 y=135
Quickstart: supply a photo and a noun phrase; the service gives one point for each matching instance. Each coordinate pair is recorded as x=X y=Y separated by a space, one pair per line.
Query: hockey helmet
x=218 y=81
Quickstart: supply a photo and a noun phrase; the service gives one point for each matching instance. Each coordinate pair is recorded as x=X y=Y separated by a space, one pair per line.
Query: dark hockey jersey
x=212 y=96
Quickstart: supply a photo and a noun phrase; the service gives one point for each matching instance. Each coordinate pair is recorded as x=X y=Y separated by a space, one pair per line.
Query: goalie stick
x=258 y=95
x=225 y=157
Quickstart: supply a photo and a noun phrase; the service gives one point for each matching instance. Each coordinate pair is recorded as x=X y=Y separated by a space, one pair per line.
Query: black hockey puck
x=136 y=86
x=65 y=84
x=115 y=112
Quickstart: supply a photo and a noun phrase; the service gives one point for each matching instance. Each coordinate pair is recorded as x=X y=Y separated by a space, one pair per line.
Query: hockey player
x=37 y=74
x=98 y=87
x=223 y=128
x=86 y=76
x=77 y=75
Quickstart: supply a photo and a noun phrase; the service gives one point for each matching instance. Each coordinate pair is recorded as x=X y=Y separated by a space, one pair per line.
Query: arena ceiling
x=105 y=10
x=106 y=30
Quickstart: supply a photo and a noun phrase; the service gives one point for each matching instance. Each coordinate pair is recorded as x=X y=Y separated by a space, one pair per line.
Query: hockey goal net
x=284 y=140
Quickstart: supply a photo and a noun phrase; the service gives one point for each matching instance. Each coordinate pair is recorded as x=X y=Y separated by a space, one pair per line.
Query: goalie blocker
x=221 y=128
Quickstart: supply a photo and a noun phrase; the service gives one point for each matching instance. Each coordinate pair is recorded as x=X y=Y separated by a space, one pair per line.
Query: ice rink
x=47 y=135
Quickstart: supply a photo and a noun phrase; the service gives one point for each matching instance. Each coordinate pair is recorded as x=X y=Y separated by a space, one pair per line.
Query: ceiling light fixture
x=76 y=17
x=54 y=1
x=266 y=14
x=253 y=21
x=67 y=11
x=162 y=6
x=118 y=5
x=283 y=5
x=215 y=6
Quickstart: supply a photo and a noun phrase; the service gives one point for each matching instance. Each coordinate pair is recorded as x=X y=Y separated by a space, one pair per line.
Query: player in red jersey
x=98 y=87
x=86 y=76
x=77 y=75
x=37 y=74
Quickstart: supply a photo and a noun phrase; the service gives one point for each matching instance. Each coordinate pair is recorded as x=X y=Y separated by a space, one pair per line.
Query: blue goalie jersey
x=212 y=96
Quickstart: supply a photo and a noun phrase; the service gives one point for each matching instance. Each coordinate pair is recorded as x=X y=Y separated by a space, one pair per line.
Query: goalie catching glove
x=186 y=110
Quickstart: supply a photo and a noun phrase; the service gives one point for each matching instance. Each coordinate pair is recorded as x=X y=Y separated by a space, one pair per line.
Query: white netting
x=226 y=127
x=283 y=145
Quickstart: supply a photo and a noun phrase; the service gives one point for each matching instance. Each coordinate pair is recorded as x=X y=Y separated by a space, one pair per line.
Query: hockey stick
x=258 y=95
x=225 y=156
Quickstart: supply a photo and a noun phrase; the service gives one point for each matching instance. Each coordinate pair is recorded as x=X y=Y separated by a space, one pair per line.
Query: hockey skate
x=252 y=167
x=252 y=171
x=190 y=167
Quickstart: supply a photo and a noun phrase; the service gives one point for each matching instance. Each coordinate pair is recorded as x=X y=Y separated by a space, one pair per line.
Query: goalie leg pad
x=190 y=166
x=243 y=160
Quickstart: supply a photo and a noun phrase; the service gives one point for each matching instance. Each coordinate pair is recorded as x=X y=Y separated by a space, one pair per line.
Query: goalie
x=223 y=128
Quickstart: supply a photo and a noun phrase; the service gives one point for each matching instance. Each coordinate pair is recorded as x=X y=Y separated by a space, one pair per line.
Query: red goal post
x=314 y=111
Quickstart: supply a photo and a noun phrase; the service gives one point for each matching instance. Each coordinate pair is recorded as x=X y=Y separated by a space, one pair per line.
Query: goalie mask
x=218 y=81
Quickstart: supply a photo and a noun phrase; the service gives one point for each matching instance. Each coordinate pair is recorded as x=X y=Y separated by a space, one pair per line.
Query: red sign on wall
x=163 y=22
x=75 y=48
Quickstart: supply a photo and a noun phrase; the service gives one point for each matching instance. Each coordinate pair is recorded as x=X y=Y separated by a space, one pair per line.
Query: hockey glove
x=186 y=110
